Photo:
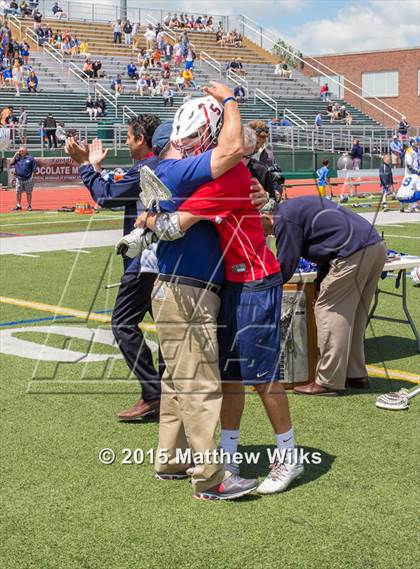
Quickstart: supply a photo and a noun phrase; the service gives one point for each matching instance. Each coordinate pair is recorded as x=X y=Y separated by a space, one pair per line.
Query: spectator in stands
x=150 y=36
x=155 y=58
x=58 y=11
x=132 y=70
x=239 y=94
x=357 y=154
x=141 y=86
x=84 y=49
x=285 y=122
x=61 y=134
x=5 y=114
x=88 y=68
x=151 y=84
x=180 y=83
x=397 y=151
x=25 y=9
x=335 y=113
x=8 y=76
x=185 y=44
x=177 y=51
x=166 y=70
x=90 y=108
x=220 y=37
x=168 y=97
x=116 y=85
x=128 y=31
x=386 y=179
x=286 y=73
x=403 y=128
x=160 y=40
x=188 y=78
x=318 y=120
x=17 y=75
x=74 y=44
x=348 y=119
x=37 y=19
x=101 y=106
x=25 y=53
x=22 y=125
x=117 y=32
x=25 y=166
x=237 y=39
x=168 y=51
x=189 y=59
x=324 y=92
x=96 y=68
x=32 y=82
x=50 y=126
x=66 y=47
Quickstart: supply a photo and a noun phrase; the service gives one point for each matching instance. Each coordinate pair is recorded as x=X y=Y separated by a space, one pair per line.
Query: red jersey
x=226 y=202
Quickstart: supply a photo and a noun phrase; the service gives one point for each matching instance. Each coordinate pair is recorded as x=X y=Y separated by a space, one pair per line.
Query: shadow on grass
x=379 y=385
x=386 y=348
x=312 y=471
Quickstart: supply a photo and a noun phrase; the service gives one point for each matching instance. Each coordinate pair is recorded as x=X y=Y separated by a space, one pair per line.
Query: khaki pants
x=341 y=314
x=186 y=321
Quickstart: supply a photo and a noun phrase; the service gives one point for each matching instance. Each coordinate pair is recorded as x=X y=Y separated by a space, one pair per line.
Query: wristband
x=229 y=99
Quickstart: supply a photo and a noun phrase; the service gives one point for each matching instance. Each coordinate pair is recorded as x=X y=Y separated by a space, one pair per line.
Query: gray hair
x=250 y=138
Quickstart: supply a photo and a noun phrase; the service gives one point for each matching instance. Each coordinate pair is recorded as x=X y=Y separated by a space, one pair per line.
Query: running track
x=49 y=199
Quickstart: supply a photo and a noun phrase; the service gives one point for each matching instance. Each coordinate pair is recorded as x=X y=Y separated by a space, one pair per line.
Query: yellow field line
x=374 y=371
x=396 y=374
x=64 y=311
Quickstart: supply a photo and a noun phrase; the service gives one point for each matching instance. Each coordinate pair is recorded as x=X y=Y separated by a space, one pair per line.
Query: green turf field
x=45 y=222
x=63 y=509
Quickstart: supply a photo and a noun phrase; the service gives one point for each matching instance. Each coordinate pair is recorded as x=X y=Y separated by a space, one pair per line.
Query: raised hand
x=79 y=152
x=97 y=154
x=218 y=90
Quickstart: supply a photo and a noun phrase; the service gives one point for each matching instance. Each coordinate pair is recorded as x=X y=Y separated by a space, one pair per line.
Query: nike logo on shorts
x=259 y=375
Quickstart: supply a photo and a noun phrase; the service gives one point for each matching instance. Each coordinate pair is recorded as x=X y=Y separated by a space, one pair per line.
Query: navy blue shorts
x=249 y=328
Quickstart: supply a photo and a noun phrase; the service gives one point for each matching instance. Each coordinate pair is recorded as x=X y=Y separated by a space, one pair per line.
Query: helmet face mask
x=197 y=125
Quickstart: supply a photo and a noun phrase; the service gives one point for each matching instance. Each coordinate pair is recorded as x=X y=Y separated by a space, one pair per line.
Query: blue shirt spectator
x=318 y=119
x=132 y=70
x=24 y=165
x=318 y=230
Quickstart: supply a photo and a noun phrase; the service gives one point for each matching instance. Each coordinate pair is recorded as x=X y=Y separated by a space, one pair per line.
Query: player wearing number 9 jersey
x=409 y=191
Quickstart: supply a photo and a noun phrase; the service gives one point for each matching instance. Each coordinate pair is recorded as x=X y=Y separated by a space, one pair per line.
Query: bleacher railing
x=106 y=13
x=267 y=100
x=239 y=80
x=294 y=118
x=325 y=140
x=265 y=38
x=109 y=97
x=127 y=113
x=209 y=60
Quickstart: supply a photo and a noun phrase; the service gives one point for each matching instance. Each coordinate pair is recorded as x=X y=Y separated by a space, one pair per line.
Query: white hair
x=250 y=138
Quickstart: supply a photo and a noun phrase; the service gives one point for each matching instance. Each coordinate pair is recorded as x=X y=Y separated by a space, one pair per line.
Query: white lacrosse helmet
x=415 y=275
x=200 y=121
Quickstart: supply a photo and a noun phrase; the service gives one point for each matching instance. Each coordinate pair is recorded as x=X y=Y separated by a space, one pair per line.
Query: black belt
x=189 y=281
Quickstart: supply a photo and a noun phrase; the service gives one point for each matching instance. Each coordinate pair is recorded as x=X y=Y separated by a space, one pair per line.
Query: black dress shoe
x=357 y=382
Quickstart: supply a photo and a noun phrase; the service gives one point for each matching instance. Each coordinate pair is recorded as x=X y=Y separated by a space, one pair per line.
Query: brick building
x=391 y=75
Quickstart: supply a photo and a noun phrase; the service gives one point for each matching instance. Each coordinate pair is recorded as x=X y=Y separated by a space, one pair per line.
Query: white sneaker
x=279 y=478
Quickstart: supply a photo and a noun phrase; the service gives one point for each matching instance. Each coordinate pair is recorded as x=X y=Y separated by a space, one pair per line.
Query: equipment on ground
x=398 y=400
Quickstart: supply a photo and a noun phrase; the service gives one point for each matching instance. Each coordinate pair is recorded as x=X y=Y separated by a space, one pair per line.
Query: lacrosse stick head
x=153 y=191
x=396 y=401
